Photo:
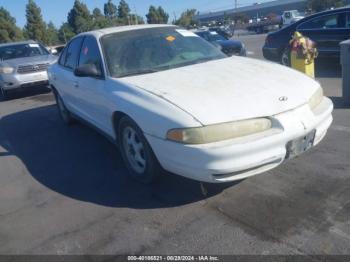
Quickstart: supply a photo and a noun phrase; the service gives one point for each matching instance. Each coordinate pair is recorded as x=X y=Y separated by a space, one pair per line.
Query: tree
x=99 y=20
x=52 y=34
x=65 y=33
x=110 y=9
x=187 y=18
x=35 y=28
x=152 y=16
x=162 y=15
x=124 y=12
x=157 y=15
x=9 y=32
x=79 y=18
x=321 y=5
x=96 y=13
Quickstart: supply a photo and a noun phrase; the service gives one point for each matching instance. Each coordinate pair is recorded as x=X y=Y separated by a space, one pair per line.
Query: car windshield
x=152 y=50
x=21 y=50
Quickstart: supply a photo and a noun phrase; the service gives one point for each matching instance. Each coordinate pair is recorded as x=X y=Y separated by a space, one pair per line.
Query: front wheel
x=62 y=110
x=4 y=94
x=137 y=154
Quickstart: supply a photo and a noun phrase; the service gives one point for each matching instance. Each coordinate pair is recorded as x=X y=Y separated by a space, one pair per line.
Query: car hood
x=30 y=60
x=229 y=89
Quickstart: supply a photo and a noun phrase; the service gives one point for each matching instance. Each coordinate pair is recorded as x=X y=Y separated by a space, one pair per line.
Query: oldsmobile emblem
x=283 y=99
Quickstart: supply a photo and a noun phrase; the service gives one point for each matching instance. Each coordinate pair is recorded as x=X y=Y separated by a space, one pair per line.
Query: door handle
x=76 y=84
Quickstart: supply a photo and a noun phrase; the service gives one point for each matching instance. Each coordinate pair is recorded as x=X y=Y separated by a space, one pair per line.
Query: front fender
x=153 y=114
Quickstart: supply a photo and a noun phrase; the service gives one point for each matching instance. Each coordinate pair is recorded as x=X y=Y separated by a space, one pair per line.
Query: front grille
x=27 y=69
x=231 y=51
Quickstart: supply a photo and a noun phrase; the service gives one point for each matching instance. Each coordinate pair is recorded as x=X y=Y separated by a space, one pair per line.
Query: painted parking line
x=250 y=53
x=340 y=128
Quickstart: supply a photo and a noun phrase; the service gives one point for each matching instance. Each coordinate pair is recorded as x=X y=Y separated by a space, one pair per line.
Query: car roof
x=118 y=29
x=18 y=43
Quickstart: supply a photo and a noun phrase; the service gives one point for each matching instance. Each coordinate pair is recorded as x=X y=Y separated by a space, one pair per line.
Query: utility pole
x=136 y=18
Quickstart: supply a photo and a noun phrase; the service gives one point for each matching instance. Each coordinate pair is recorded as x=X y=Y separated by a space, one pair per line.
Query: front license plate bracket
x=300 y=145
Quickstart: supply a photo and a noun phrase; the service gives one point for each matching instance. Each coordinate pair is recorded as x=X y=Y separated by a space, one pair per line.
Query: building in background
x=256 y=11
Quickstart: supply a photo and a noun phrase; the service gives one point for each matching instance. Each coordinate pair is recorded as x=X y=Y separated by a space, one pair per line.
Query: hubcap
x=285 y=59
x=134 y=150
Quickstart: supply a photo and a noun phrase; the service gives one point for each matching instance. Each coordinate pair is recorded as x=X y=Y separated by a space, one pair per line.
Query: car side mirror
x=87 y=70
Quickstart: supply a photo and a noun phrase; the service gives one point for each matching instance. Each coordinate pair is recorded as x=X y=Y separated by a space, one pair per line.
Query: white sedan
x=172 y=101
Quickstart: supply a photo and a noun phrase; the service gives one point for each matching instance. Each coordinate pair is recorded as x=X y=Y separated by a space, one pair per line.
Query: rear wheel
x=63 y=111
x=137 y=154
x=285 y=57
x=4 y=93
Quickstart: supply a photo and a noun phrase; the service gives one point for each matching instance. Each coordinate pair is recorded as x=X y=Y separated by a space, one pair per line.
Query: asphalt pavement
x=65 y=190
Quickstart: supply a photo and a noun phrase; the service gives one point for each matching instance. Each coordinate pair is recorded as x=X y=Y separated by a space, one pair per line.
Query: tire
x=4 y=94
x=285 y=57
x=62 y=110
x=137 y=154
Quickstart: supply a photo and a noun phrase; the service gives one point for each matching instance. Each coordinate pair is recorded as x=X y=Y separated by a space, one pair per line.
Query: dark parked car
x=229 y=47
x=222 y=31
x=327 y=29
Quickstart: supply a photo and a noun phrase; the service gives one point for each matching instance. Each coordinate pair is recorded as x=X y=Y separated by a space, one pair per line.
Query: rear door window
x=333 y=21
x=73 y=53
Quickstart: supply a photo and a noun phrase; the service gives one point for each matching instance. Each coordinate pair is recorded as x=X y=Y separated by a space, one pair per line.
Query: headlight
x=6 y=70
x=220 y=132
x=316 y=99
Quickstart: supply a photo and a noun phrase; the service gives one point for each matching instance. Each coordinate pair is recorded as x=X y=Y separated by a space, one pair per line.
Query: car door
x=93 y=99
x=327 y=31
x=65 y=79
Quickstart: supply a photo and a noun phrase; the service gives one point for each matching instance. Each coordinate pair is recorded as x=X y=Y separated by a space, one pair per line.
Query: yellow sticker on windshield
x=170 y=38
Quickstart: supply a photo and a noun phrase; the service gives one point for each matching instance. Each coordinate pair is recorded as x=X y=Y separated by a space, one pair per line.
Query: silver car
x=23 y=65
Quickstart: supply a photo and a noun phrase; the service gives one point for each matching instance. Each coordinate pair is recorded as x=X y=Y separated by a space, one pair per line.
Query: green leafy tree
x=124 y=13
x=138 y=19
x=157 y=15
x=321 y=5
x=52 y=34
x=152 y=16
x=187 y=18
x=35 y=27
x=99 y=20
x=9 y=32
x=97 y=13
x=110 y=9
x=162 y=15
x=65 y=33
x=79 y=18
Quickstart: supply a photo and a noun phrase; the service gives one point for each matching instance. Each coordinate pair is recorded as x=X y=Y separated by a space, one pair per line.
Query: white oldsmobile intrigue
x=173 y=101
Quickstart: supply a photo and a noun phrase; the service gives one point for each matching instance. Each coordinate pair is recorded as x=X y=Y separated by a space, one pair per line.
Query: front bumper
x=240 y=158
x=15 y=81
x=271 y=53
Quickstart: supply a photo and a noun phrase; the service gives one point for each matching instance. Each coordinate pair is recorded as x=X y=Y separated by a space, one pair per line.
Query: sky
x=57 y=10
